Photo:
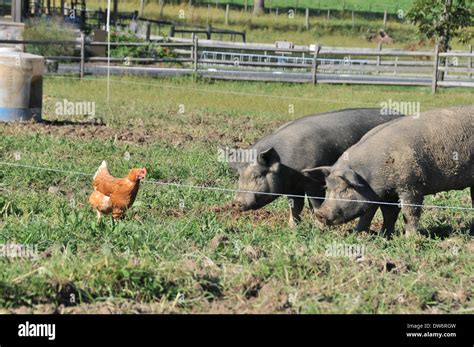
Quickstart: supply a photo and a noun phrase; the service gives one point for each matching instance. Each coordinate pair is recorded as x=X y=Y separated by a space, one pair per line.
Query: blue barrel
x=21 y=85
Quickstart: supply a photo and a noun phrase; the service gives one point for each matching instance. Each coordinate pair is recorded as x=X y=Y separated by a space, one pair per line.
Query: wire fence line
x=231 y=190
x=214 y=91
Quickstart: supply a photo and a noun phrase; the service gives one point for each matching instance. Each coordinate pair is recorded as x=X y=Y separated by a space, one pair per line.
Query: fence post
x=195 y=50
x=209 y=31
x=162 y=5
x=379 y=59
x=470 y=61
x=385 y=20
x=315 y=63
x=434 y=83
x=83 y=54
x=306 y=21
x=148 y=31
x=353 y=20
x=227 y=14
x=245 y=5
x=446 y=65
x=142 y=5
x=329 y=13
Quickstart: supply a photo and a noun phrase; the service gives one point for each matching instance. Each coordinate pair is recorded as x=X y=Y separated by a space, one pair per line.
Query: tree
x=258 y=6
x=442 y=20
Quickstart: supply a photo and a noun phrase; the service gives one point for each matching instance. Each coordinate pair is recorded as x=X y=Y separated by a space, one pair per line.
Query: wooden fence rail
x=320 y=64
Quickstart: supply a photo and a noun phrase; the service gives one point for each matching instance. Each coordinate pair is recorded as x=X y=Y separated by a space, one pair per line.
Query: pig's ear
x=351 y=178
x=268 y=157
x=235 y=166
x=317 y=173
x=222 y=152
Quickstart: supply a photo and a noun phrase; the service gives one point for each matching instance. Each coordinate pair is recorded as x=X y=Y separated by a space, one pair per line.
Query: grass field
x=363 y=5
x=338 y=31
x=173 y=252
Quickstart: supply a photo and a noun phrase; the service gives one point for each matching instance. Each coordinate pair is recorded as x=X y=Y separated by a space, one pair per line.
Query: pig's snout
x=238 y=206
x=321 y=216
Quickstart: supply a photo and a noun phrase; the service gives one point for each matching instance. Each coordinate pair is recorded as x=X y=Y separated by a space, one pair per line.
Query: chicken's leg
x=99 y=215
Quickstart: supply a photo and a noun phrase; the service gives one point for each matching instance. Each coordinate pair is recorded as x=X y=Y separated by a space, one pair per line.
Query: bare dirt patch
x=136 y=133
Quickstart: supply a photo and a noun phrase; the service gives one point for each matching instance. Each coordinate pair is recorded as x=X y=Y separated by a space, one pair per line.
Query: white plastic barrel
x=21 y=85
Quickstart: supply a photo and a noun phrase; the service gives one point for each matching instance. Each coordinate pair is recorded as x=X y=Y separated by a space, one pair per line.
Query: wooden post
x=434 y=83
x=315 y=63
x=142 y=6
x=306 y=21
x=329 y=13
x=148 y=31
x=227 y=14
x=353 y=20
x=162 y=5
x=209 y=32
x=446 y=65
x=83 y=55
x=276 y=15
x=271 y=6
x=245 y=5
x=195 y=50
x=470 y=61
x=115 y=12
x=379 y=58
x=385 y=20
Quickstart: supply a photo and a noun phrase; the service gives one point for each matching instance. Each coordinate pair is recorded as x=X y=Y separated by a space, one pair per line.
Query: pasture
x=174 y=251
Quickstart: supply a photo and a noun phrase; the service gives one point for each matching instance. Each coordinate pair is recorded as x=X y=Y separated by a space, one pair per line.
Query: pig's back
x=433 y=152
x=320 y=139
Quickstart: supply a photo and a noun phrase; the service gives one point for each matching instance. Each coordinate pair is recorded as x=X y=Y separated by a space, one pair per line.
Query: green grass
x=360 y=5
x=172 y=252
x=268 y=28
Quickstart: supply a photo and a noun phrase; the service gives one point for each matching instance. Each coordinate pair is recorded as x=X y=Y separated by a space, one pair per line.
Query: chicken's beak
x=142 y=174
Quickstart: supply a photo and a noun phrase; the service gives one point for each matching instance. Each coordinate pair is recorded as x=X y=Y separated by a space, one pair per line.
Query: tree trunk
x=445 y=38
x=258 y=6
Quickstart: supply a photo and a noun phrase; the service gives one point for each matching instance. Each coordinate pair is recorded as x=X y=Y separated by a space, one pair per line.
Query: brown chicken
x=114 y=195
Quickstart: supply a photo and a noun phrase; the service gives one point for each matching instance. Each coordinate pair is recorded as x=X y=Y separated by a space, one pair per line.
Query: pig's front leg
x=366 y=219
x=411 y=214
x=390 y=215
x=296 y=206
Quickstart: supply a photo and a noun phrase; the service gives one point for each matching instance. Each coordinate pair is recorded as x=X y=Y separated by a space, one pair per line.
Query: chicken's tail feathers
x=101 y=170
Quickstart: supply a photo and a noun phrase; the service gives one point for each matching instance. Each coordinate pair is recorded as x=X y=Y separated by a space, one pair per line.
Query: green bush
x=149 y=51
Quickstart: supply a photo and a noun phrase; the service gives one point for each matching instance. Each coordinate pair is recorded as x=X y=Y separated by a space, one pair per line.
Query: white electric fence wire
x=230 y=190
